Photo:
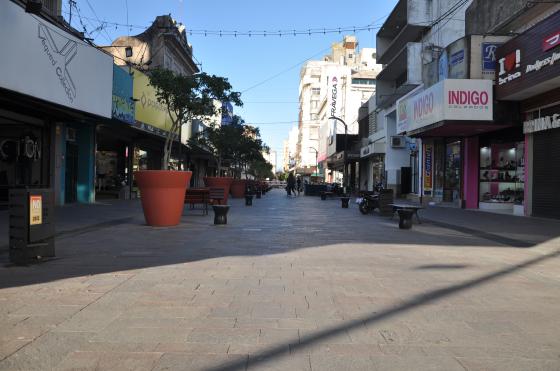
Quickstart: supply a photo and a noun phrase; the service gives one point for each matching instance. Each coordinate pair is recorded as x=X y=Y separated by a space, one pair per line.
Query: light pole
x=316 y=160
x=345 y=174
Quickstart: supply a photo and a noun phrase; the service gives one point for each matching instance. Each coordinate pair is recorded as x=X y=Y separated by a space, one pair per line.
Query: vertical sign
x=428 y=168
x=35 y=209
x=334 y=86
x=489 y=58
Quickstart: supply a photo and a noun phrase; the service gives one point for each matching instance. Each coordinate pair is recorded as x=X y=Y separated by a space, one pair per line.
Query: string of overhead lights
x=249 y=33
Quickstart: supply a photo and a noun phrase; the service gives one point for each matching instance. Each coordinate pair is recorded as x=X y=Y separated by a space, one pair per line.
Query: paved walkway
x=290 y=283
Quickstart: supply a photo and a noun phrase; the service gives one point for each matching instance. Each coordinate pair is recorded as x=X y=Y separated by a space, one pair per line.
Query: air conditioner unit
x=70 y=134
x=398 y=142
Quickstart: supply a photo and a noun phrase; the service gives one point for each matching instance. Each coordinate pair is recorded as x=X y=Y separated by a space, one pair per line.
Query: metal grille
x=546 y=176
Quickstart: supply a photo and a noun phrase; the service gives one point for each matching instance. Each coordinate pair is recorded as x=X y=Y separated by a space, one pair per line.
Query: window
x=316 y=91
x=314 y=116
x=362 y=81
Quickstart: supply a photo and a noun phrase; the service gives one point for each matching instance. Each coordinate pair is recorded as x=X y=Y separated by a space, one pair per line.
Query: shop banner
x=150 y=115
x=43 y=61
x=450 y=99
x=428 y=168
x=334 y=96
x=123 y=106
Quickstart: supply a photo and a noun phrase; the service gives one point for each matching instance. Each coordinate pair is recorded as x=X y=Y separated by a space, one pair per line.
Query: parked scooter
x=370 y=202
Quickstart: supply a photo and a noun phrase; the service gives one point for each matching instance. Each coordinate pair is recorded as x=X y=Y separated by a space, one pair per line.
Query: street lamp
x=316 y=160
x=345 y=174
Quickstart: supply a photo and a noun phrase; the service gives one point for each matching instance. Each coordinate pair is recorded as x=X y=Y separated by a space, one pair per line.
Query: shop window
x=502 y=176
x=452 y=179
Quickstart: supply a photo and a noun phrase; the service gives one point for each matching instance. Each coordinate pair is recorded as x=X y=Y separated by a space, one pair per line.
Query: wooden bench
x=324 y=194
x=413 y=208
x=216 y=196
x=194 y=196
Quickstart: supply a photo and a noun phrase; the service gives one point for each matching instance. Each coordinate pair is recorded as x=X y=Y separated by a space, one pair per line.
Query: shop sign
x=46 y=62
x=148 y=110
x=541 y=124
x=529 y=64
x=451 y=99
x=443 y=66
x=551 y=41
x=123 y=106
x=365 y=151
x=35 y=209
x=489 y=57
x=428 y=167
x=458 y=59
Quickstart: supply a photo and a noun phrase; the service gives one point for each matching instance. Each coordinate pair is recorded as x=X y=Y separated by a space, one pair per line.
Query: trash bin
x=31 y=223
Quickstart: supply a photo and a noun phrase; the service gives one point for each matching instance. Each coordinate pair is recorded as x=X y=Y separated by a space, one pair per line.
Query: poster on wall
x=35 y=209
x=428 y=168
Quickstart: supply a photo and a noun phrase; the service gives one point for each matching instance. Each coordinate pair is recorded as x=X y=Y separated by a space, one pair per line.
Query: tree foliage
x=188 y=97
x=238 y=143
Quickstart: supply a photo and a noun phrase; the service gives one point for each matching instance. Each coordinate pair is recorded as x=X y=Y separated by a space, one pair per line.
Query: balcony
x=406 y=23
x=400 y=76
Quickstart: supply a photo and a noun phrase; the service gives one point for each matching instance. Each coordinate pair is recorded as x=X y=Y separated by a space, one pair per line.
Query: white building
x=292 y=148
x=409 y=45
x=272 y=159
x=336 y=86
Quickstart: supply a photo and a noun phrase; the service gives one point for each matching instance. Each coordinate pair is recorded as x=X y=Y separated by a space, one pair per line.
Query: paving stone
x=81 y=360
x=309 y=290
x=188 y=362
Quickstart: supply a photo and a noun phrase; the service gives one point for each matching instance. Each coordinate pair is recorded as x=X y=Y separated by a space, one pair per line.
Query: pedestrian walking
x=298 y=182
x=291 y=187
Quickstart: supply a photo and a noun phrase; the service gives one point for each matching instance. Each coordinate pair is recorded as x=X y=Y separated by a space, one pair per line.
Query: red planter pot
x=219 y=182
x=163 y=195
x=238 y=188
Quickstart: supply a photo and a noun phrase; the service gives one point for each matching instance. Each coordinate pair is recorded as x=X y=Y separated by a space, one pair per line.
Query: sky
x=264 y=68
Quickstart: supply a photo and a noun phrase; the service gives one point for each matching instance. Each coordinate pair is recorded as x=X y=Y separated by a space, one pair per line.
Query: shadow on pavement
x=413 y=303
x=273 y=225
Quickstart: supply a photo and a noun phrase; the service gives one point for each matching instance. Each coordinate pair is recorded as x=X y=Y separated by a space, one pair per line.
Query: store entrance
x=71 y=173
x=452 y=177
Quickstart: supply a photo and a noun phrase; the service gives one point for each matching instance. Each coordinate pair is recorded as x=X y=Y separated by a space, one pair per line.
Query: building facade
x=334 y=86
x=409 y=45
x=51 y=103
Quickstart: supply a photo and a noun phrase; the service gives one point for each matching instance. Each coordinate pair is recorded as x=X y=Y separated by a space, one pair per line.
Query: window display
x=502 y=175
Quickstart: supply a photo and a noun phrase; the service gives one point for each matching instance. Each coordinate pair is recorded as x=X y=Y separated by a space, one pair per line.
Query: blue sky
x=246 y=61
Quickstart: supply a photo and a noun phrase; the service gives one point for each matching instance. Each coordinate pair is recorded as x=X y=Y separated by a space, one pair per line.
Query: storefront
x=50 y=102
x=24 y=152
x=372 y=166
x=448 y=117
x=529 y=73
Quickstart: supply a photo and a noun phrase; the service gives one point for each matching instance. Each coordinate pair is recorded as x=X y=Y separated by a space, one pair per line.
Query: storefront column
x=528 y=192
x=85 y=138
x=470 y=172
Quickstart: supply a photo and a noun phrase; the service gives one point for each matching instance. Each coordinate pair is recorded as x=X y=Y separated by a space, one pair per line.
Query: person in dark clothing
x=291 y=187
x=298 y=182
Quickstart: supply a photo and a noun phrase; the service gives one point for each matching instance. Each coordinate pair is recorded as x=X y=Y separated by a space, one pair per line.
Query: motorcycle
x=370 y=202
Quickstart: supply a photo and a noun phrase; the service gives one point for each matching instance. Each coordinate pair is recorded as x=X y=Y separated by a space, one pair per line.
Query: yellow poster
x=148 y=110
x=35 y=209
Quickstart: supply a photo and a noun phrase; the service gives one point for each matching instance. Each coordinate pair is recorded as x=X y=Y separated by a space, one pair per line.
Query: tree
x=189 y=97
x=237 y=142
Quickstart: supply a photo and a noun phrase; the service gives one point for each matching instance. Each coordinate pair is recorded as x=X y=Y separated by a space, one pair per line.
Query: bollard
x=220 y=214
x=345 y=201
x=405 y=218
x=248 y=200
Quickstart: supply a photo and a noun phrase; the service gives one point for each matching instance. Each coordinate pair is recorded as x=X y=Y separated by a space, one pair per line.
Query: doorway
x=71 y=173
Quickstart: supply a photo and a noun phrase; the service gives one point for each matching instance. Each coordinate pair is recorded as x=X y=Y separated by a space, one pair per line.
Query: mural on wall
x=123 y=105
